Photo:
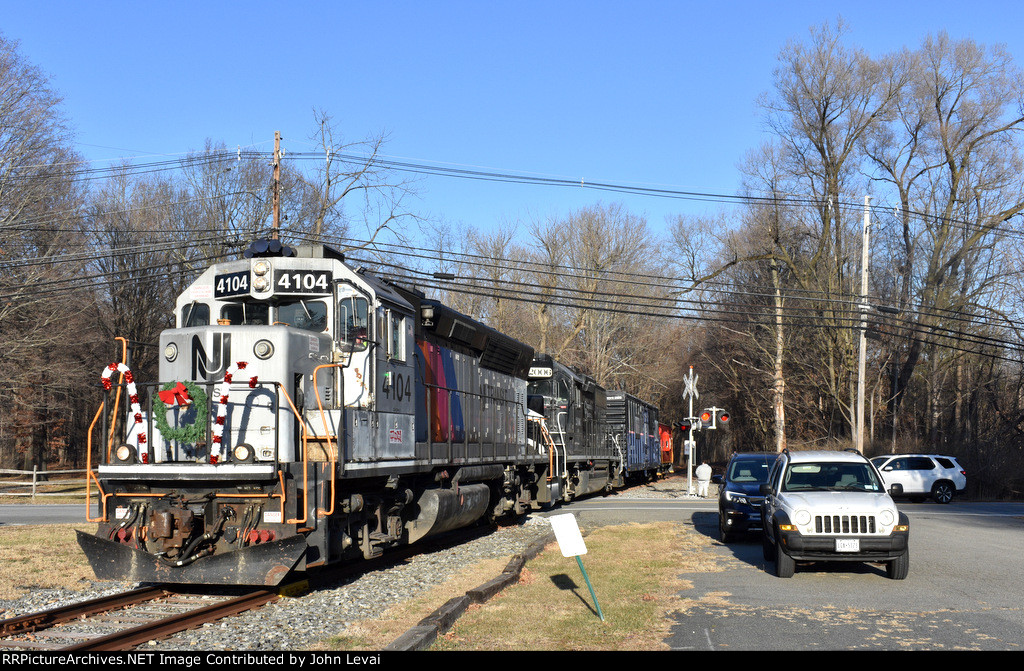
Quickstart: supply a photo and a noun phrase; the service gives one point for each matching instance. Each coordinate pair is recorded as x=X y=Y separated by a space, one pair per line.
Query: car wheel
x=785 y=566
x=898 y=568
x=942 y=492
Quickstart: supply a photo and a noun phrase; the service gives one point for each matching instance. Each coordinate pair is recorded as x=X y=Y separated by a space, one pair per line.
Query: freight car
x=633 y=428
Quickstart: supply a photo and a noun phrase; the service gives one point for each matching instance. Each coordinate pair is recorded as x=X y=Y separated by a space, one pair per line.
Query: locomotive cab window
x=195 y=314
x=396 y=334
x=308 y=315
x=246 y=314
x=354 y=323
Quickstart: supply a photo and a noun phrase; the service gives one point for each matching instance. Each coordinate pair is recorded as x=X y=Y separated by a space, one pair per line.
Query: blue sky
x=649 y=93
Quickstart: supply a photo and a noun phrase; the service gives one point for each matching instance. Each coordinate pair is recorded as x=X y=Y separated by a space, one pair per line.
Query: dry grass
x=634 y=570
x=43 y=556
x=379 y=633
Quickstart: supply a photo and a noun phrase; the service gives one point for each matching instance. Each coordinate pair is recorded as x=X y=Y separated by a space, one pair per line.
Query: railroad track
x=123 y=621
x=126 y=620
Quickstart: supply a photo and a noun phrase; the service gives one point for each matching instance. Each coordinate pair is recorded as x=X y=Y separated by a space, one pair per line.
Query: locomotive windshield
x=303 y=314
x=246 y=314
x=308 y=315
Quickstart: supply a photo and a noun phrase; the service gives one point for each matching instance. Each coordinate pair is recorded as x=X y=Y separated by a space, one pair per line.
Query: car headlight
x=886 y=517
x=737 y=498
x=802 y=518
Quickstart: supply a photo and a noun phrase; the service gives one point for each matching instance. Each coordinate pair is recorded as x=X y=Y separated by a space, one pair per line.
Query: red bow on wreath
x=176 y=396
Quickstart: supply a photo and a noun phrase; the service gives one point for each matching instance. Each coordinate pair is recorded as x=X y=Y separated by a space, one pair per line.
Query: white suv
x=923 y=475
x=831 y=506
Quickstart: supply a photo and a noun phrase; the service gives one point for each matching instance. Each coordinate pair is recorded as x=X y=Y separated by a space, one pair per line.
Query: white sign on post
x=567 y=533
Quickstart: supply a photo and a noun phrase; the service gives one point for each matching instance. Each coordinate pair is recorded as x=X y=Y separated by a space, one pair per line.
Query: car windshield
x=830 y=476
x=748 y=470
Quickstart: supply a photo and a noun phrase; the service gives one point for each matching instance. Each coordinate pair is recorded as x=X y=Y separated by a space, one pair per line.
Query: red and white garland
x=133 y=395
x=222 y=406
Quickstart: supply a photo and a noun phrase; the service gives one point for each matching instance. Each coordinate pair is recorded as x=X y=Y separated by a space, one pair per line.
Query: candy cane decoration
x=133 y=394
x=222 y=407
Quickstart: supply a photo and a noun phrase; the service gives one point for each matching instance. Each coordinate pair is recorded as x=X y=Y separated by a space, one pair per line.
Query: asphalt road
x=964 y=591
x=15 y=514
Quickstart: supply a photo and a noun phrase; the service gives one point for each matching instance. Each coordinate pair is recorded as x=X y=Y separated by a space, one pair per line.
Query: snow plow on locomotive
x=309 y=412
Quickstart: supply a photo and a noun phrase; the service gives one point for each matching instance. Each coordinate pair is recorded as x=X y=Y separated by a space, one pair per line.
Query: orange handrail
x=90 y=476
x=305 y=461
x=331 y=451
x=550 y=445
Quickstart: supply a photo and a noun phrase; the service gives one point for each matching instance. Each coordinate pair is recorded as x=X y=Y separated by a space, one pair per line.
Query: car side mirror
x=765 y=488
x=717 y=479
x=896 y=489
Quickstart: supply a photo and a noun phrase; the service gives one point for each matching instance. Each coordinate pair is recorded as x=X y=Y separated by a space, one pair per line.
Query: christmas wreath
x=190 y=434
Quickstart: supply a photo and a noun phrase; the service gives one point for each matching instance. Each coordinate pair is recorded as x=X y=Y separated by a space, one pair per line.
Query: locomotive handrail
x=332 y=452
x=549 y=442
x=305 y=459
x=117 y=396
x=90 y=475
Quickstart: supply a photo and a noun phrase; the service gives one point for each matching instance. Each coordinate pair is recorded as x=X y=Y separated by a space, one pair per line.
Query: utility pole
x=277 y=186
x=862 y=356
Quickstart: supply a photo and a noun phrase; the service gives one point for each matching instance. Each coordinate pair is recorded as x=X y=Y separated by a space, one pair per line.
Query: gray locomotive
x=309 y=412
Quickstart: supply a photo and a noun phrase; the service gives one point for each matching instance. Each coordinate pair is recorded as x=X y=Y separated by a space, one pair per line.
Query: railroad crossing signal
x=690 y=386
x=711 y=417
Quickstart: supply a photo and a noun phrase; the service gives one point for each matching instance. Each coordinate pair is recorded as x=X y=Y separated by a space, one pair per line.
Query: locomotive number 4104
x=303 y=281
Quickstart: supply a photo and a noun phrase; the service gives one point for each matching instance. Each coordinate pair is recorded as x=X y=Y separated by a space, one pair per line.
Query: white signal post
x=690 y=391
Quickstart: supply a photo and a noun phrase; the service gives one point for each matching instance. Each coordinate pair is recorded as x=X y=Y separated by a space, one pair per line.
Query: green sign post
x=570 y=541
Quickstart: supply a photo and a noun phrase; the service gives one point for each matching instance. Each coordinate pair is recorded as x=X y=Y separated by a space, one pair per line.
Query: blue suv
x=739 y=497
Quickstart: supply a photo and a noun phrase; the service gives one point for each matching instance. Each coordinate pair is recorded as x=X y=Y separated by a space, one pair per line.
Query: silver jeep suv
x=831 y=506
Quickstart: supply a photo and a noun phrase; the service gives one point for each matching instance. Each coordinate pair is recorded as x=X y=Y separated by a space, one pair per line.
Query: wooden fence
x=38 y=479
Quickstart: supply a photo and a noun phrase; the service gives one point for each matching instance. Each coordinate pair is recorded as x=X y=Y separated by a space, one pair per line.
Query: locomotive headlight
x=260 y=283
x=263 y=349
x=802 y=518
x=244 y=453
x=261 y=267
x=171 y=351
x=125 y=454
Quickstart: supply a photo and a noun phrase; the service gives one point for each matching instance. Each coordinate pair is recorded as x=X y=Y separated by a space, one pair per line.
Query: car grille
x=844 y=524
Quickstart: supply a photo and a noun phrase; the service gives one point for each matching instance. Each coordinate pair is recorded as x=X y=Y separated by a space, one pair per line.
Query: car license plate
x=847 y=545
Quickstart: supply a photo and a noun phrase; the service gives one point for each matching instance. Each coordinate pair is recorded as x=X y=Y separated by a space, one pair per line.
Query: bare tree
x=827 y=96
x=353 y=193
x=952 y=156
x=38 y=201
